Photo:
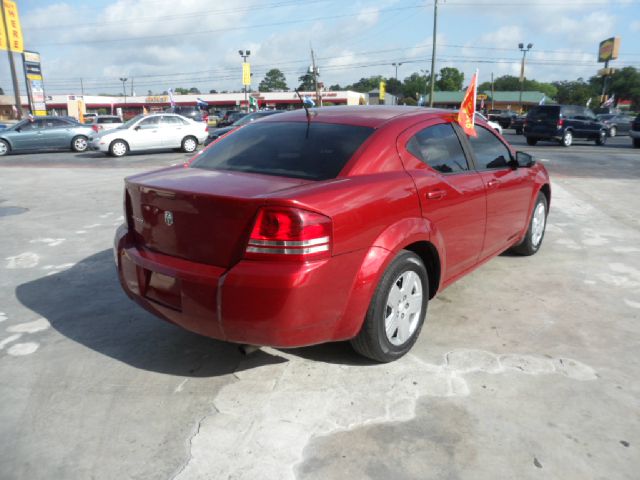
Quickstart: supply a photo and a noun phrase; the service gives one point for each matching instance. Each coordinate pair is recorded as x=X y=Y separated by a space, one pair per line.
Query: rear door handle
x=493 y=183
x=436 y=194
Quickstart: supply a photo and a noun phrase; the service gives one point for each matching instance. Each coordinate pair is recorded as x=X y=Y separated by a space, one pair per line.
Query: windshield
x=605 y=117
x=289 y=149
x=130 y=122
x=546 y=113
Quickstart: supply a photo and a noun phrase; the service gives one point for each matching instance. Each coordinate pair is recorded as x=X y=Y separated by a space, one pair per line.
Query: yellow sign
x=157 y=99
x=15 y=42
x=609 y=49
x=383 y=90
x=481 y=96
x=246 y=74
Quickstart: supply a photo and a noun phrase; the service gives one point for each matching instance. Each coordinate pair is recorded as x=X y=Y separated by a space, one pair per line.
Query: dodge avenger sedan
x=336 y=224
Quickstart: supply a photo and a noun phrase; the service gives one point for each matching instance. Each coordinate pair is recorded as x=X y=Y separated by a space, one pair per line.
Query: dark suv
x=563 y=123
x=634 y=133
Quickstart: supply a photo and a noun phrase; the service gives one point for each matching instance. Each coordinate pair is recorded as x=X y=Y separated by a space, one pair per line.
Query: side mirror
x=18 y=129
x=137 y=127
x=524 y=160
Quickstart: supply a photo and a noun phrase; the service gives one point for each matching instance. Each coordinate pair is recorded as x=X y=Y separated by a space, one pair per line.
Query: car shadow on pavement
x=87 y=305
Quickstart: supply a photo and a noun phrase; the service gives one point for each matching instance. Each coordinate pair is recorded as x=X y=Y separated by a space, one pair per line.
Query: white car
x=103 y=122
x=151 y=132
x=494 y=125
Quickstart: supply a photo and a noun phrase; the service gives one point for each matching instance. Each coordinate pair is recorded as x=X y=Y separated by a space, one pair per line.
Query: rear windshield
x=287 y=149
x=549 y=113
x=108 y=120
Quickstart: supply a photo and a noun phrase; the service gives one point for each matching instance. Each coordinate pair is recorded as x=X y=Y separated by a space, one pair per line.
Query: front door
x=509 y=191
x=452 y=195
x=146 y=134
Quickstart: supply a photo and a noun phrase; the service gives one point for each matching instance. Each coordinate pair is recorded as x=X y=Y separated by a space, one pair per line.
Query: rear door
x=509 y=191
x=56 y=133
x=452 y=194
x=172 y=130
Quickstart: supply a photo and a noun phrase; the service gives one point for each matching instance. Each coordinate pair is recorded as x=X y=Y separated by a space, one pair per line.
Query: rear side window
x=318 y=151
x=109 y=120
x=439 y=147
x=490 y=152
x=543 y=114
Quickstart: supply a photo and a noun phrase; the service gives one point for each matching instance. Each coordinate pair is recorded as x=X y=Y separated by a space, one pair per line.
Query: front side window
x=149 y=122
x=318 y=151
x=490 y=152
x=439 y=147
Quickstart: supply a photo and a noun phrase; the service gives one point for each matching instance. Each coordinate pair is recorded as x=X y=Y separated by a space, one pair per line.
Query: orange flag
x=467 y=113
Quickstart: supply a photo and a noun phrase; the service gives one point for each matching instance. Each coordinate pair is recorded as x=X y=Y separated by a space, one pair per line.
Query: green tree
x=306 y=82
x=365 y=85
x=625 y=84
x=394 y=87
x=273 y=80
x=509 y=83
x=336 y=88
x=194 y=91
x=450 y=79
x=575 y=92
x=415 y=85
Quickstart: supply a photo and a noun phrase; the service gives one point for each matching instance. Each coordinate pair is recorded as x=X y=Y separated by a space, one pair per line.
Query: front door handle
x=493 y=183
x=436 y=194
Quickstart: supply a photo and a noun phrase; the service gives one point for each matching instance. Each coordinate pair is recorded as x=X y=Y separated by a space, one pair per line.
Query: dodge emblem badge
x=168 y=218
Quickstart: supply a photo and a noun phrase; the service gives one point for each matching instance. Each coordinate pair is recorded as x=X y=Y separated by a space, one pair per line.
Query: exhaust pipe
x=248 y=349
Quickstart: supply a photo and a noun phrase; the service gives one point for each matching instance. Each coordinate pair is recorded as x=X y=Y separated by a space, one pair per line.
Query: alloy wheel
x=403 y=308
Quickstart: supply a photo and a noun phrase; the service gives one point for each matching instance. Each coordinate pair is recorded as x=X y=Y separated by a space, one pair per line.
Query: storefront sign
x=14 y=42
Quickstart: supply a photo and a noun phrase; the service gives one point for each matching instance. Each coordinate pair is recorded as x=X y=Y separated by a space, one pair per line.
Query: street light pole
x=396 y=64
x=524 y=54
x=124 y=90
x=244 y=54
x=433 y=51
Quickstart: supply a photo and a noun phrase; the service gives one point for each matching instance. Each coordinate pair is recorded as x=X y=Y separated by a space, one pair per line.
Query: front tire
x=397 y=310
x=189 y=144
x=602 y=139
x=636 y=143
x=535 y=233
x=567 y=139
x=531 y=141
x=4 y=148
x=79 y=143
x=118 y=148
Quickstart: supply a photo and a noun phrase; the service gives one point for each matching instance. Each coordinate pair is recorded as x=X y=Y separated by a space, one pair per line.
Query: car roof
x=373 y=116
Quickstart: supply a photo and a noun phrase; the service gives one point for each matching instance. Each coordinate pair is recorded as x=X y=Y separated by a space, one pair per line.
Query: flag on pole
x=467 y=113
x=543 y=99
x=171 y=100
x=201 y=103
x=588 y=102
x=253 y=102
x=308 y=101
x=610 y=101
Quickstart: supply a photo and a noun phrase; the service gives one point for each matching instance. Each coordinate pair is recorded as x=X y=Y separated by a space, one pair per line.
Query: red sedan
x=340 y=225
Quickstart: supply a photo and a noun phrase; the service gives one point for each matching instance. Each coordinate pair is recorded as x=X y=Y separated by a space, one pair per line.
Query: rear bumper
x=279 y=304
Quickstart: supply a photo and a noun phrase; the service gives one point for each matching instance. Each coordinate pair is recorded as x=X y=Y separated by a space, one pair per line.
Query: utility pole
x=81 y=88
x=433 y=52
x=132 y=86
x=244 y=54
x=124 y=90
x=315 y=78
x=12 y=66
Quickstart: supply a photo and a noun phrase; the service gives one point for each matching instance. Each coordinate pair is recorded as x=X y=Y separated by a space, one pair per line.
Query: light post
x=244 y=54
x=124 y=90
x=396 y=64
x=524 y=54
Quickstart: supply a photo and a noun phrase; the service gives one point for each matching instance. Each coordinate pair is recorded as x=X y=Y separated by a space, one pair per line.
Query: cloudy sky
x=168 y=43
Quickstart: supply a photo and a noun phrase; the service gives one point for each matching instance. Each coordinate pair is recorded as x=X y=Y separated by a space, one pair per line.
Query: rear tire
x=535 y=233
x=118 y=148
x=531 y=141
x=567 y=139
x=636 y=143
x=189 y=144
x=79 y=143
x=4 y=148
x=397 y=310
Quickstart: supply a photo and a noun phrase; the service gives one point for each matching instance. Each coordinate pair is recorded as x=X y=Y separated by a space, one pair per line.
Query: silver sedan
x=151 y=132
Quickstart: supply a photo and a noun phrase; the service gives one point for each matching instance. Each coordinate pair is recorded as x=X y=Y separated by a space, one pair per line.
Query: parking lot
x=527 y=368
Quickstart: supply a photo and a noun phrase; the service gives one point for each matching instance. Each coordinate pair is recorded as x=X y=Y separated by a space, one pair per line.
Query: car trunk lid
x=200 y=215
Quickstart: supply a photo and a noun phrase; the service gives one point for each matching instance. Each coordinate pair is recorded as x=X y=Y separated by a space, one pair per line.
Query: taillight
x=560 y=123
x=289 y=233
x=95 y=128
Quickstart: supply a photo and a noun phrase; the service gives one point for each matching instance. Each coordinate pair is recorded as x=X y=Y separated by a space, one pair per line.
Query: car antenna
x=304 y=105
